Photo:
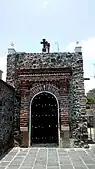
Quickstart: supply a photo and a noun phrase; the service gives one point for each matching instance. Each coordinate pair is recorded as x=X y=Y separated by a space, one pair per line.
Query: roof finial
x=12 y=44
x=78 y=48
x=77 y=42
x=11 y=49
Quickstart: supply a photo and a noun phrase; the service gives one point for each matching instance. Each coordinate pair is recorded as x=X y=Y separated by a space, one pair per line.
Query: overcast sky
x=26 y=22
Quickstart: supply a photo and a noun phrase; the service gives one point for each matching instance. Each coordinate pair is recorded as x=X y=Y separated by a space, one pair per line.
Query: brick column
x=64 y=115
x=24 y=112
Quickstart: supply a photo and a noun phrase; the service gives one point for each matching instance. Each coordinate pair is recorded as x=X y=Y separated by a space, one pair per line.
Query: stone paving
x=49 y=158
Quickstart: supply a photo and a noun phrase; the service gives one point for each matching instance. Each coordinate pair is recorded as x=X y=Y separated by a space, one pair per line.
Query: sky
x=25 y=23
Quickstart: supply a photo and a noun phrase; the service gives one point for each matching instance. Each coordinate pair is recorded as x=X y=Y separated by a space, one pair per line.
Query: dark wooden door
x=44 y=119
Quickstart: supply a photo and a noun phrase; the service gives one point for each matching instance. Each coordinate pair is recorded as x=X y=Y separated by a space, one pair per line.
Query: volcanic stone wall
x=6 y=116
x=77 y=102
x=75 y=99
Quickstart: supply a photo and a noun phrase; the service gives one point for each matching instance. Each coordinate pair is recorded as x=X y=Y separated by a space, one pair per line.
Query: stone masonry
x=6 y=116
x=58 y=73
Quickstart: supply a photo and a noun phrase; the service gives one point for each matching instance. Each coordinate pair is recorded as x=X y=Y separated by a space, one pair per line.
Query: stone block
x=25 y=138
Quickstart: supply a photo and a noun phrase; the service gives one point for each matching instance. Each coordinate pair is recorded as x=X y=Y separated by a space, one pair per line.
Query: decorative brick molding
x=45 y=87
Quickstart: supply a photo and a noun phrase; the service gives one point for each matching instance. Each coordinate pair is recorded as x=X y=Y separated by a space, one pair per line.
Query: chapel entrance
x=44 y=119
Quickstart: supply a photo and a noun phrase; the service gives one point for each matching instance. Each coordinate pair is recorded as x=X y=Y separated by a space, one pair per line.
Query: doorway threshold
x=45 y=145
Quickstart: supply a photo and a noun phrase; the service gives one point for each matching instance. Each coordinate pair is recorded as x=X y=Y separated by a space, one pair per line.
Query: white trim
x=23 y=128
x=35 y=158
x=47 y=158
x=58 y=158
x=24 y=159
x=30 y=116
x=12 y=159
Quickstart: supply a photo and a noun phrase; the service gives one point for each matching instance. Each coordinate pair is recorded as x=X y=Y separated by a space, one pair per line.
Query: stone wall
x=6 y=116
x=77 y=106
x=70 y=84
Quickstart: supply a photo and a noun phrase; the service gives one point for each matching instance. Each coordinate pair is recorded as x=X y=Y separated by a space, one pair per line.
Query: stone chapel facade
x=51 y=91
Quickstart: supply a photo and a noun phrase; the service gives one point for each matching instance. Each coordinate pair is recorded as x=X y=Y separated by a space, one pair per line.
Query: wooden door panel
x=44 y=120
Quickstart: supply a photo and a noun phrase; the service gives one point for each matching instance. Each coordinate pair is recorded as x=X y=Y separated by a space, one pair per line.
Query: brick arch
x=47 y=88
x=39 y=89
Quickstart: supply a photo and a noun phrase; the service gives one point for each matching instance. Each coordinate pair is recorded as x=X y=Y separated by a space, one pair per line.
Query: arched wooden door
x=44 y=119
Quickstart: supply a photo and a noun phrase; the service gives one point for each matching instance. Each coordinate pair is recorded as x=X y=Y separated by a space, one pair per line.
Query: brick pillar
x=65 y=142
x=24 y=112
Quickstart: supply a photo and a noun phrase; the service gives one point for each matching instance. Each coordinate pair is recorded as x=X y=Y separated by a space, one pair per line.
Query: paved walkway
x=49 y=158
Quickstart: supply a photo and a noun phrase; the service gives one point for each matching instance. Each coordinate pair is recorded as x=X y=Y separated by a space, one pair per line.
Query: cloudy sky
x=25 y=23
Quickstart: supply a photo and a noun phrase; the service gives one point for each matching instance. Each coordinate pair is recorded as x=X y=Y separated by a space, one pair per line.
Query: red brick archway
x=47 y=88
x=61 y=95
